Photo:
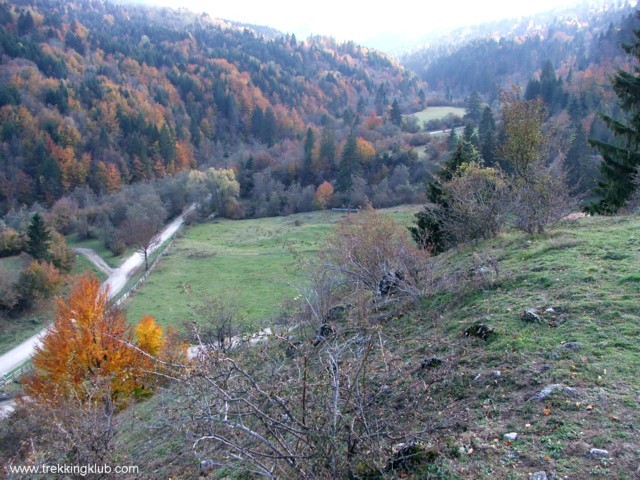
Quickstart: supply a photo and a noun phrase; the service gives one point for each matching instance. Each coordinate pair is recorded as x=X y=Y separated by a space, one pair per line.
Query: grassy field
x=82 y=265
x=252 y=263
x=12 y=266
x=436 y=113
x=15 y=330
x=582 y=278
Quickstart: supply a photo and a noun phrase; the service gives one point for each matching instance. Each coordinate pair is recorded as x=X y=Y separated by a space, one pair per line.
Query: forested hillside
x=99 y=95
x=584 y=41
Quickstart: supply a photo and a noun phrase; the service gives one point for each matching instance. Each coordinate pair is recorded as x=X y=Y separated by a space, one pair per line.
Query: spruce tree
x=38 y=238
x=487 y=134
x=396 y=113
x=349 y=165
x=307 y=161
x=474 y=107
x=620 y=160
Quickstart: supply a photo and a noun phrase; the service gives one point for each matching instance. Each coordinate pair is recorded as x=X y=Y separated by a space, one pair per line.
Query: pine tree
x=307 y=161
x=428 y=230
x=349 y=165
x=396 y=113
x=487 y=134
x=576 y=159
x=39 y=238
x=474 y=107
x=620 y=160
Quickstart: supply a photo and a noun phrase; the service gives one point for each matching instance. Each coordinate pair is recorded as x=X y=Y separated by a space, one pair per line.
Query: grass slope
x=254 y=263
x=436 y=113
x=586 y=271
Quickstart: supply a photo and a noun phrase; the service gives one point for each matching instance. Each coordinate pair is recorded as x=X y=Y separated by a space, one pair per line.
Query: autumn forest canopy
x=96 y=96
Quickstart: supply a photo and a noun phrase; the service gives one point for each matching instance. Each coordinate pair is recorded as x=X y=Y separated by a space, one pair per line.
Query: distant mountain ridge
x=489 y=56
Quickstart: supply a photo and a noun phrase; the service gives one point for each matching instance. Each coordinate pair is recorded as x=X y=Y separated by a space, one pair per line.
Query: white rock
x=598 y=453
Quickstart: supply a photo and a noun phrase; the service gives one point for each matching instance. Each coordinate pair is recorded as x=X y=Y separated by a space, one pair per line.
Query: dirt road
x=96 y=259
x=116 y=282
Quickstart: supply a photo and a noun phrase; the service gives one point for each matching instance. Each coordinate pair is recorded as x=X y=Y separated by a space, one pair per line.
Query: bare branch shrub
x=369 y=250
x=540 y=202
x=322 y=411
x=72 y=432
x=216 y=323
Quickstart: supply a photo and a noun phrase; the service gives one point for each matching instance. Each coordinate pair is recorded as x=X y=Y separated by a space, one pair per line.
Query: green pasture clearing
x=436 y=113
x=82 y=265
x=12 y=266
x=253 y=263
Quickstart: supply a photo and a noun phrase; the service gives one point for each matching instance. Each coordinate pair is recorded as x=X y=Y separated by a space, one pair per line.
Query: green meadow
x=255 y=264
x=436 y=113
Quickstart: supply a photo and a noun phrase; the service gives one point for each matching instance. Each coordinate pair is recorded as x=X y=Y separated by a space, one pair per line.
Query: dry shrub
x=38 y=281
x=298 y=409
x=368 y=248
x=75 y=432
x=540 y=201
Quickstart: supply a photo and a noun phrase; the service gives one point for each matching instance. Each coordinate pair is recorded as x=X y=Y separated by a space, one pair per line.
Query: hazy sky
x=363 y=21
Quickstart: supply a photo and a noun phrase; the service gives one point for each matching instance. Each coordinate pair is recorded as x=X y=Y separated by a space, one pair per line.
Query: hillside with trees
x=495 y=337
x=99 y=95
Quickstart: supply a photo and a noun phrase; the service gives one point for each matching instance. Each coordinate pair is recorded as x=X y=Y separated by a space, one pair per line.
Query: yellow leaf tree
x=150 y=335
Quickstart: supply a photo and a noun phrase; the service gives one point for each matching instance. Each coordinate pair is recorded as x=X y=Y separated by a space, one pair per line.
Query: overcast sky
x=363 y=21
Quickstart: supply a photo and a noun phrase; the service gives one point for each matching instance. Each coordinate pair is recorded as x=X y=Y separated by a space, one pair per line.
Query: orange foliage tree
x=324 y=194
x=150 y=336
x=88 y=346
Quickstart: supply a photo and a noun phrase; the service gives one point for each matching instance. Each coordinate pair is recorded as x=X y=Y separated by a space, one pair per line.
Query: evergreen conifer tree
x=38 y=238
x=620 y=160
x=396 y=113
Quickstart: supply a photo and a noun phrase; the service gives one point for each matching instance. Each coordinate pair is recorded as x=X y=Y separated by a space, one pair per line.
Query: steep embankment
x=561 y=381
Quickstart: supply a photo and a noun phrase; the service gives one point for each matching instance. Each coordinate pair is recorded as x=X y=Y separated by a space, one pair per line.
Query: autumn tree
x=324 y=195
x=539 y=194
x=149 y=335
x=216 y=191
x=144 y=219
x=524 y=147
x=87 y=345
x=142 y=233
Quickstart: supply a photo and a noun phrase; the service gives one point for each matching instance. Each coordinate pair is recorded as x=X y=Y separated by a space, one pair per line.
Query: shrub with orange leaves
x=324 y=195
x=149 y=335
x=88 y=344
